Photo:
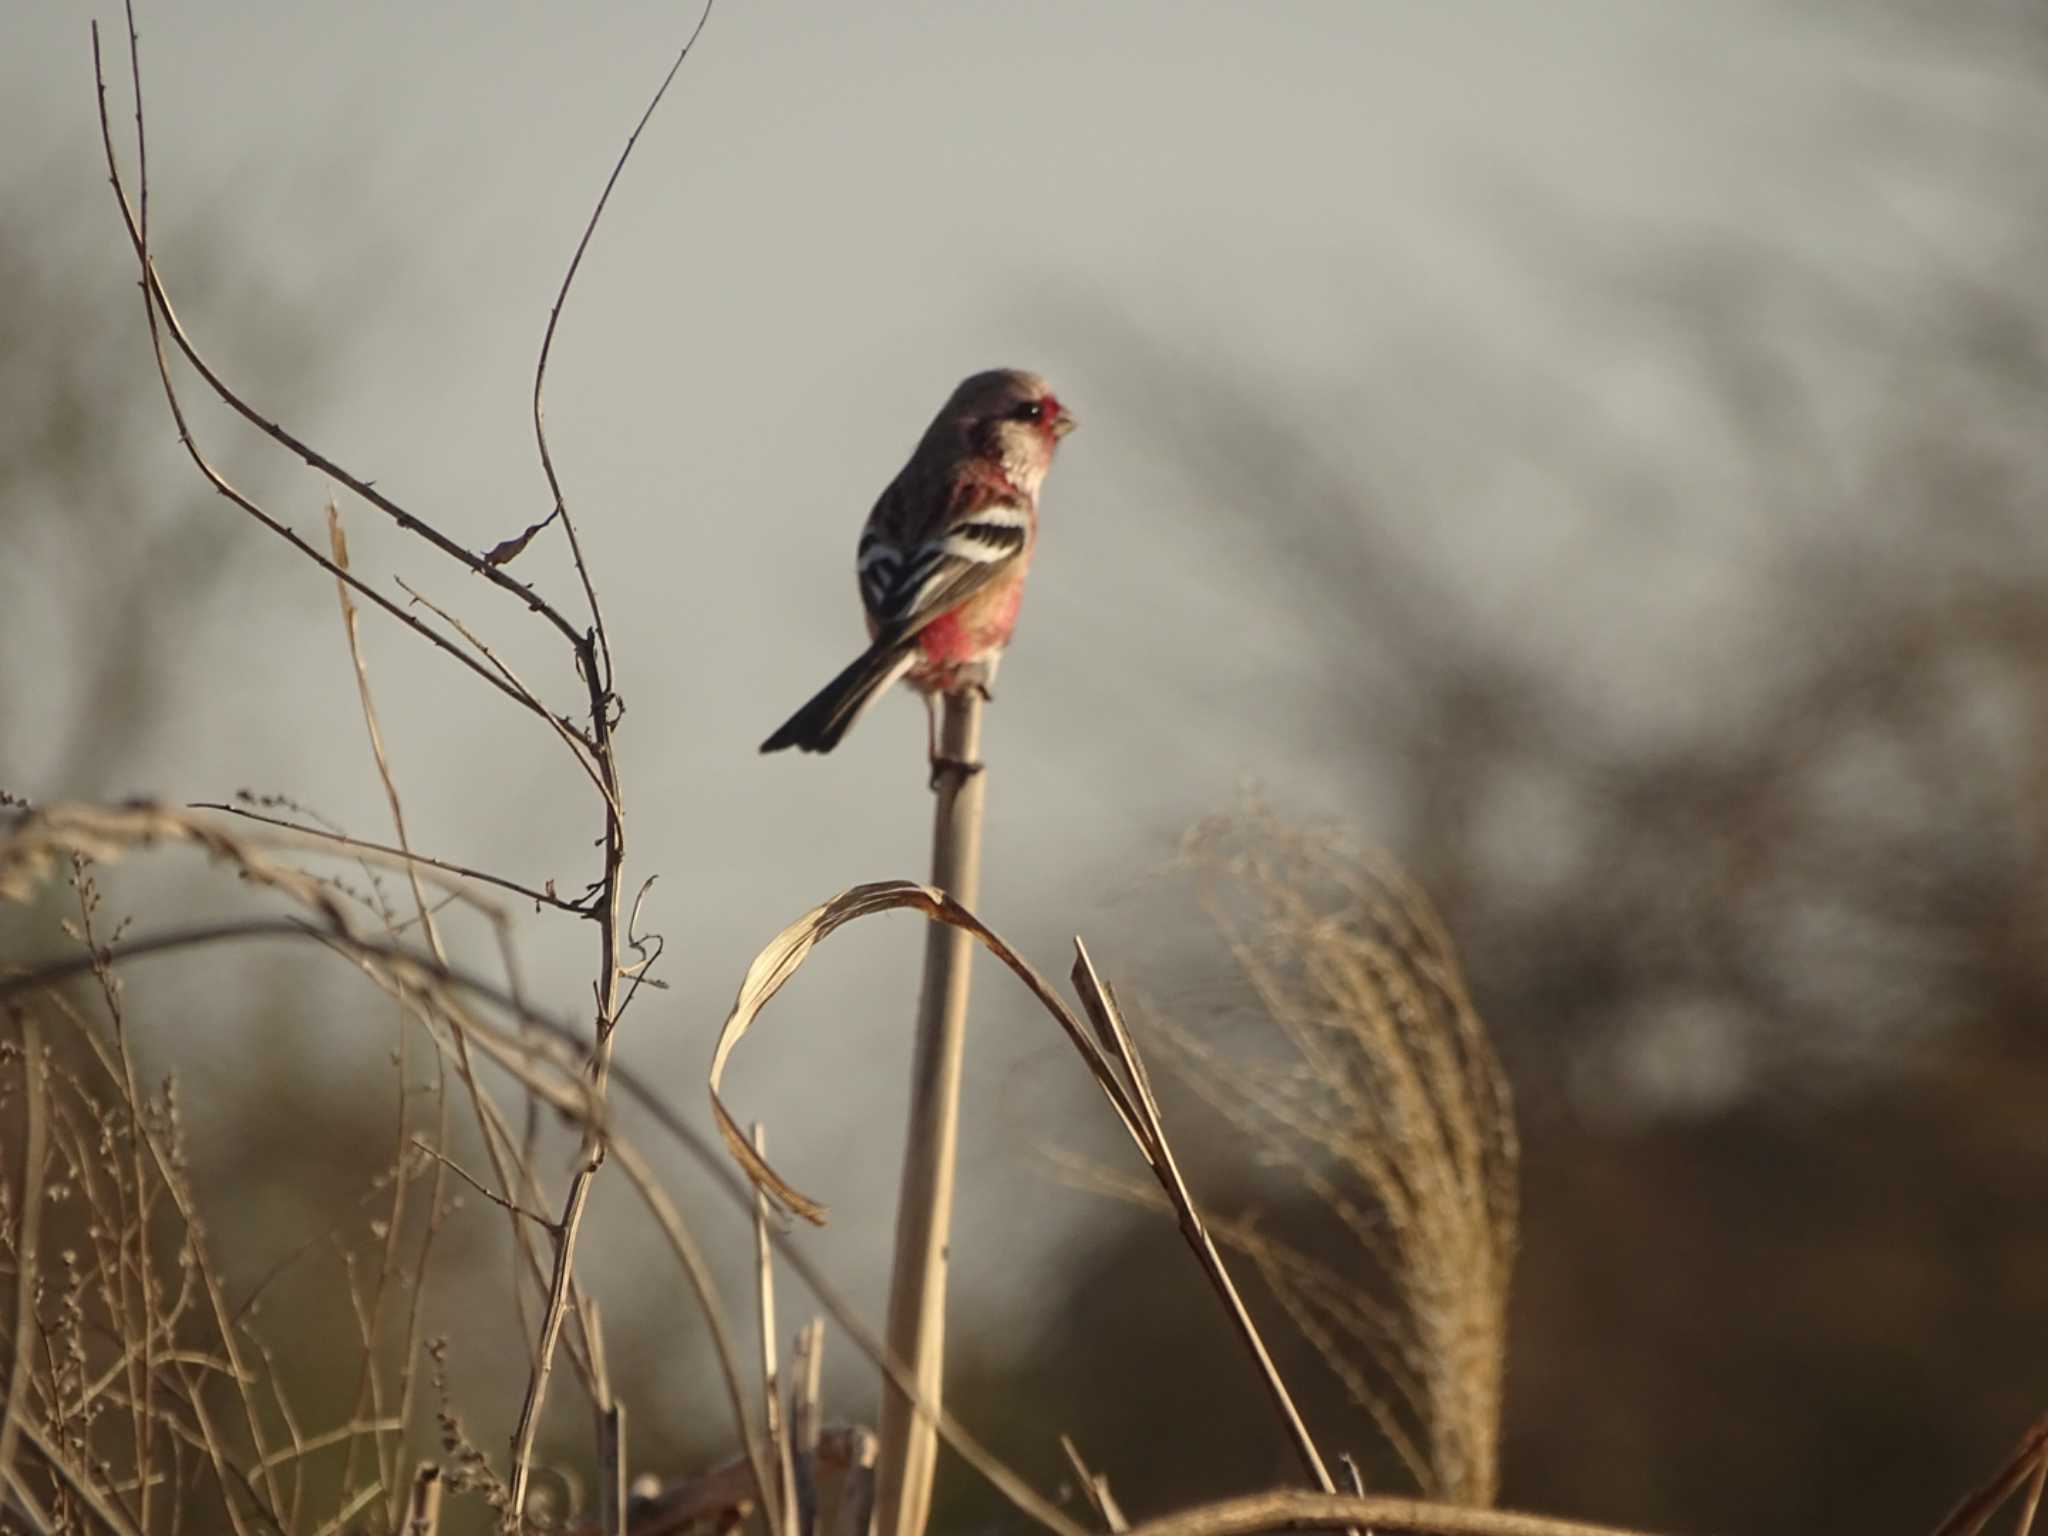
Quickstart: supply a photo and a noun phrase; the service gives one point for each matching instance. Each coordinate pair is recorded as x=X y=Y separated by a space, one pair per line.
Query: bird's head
x=1010 y=418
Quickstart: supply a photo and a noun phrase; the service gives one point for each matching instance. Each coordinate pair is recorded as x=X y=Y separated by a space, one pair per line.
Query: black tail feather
x=818 y=726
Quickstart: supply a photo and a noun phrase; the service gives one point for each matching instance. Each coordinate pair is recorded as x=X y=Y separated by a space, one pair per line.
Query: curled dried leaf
x=776 y=963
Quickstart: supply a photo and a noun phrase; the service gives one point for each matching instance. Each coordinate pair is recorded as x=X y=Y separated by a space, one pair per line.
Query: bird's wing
x=911 y=574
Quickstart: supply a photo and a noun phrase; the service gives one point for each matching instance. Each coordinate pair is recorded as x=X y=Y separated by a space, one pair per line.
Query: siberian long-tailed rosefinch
x=943 y=556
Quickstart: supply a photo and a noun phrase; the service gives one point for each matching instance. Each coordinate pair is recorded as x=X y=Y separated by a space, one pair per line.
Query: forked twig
x=511 y=1207
x=364 y=490
x=582 y=748
x=157 y=300
x=593 y=660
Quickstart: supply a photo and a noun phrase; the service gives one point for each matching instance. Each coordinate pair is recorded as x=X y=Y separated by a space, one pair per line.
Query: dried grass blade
x=777 y=962
x=35 y=1155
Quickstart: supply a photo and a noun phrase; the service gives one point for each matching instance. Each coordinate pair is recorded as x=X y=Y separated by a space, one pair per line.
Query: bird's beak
x=1063 y=422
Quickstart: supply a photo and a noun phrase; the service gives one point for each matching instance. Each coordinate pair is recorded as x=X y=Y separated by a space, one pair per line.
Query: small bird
x=942 y=558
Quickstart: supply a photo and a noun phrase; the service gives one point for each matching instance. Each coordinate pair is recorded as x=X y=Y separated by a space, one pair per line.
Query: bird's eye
x=1030 y=410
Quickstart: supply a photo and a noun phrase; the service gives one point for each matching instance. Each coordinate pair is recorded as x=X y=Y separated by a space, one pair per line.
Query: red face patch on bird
x=1045 y=413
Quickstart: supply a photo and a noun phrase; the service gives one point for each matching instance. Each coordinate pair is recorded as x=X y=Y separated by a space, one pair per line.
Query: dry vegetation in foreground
x=143 y=1396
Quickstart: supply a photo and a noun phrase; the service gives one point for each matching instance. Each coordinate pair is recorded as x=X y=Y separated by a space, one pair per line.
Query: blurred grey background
x=1595 y=449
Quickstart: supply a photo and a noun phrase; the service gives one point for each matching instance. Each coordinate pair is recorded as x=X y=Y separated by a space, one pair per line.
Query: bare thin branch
x=594 y=661
x=362 y=844
x=153 y=296
x=602 y=682
x=476 y=1184
x=160 y=298
x=580 y=747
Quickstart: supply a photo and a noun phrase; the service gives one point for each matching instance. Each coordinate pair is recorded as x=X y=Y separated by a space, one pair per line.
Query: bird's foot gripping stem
x=941 y=766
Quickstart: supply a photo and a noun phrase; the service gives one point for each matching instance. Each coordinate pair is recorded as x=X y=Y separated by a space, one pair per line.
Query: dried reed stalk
x=916 y=1335
x=1148 y=1133
x=779 y=1438
x=2026 y=1468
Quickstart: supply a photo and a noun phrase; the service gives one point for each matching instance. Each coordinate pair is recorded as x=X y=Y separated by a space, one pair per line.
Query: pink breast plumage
x=973 y=631
x=947 y=641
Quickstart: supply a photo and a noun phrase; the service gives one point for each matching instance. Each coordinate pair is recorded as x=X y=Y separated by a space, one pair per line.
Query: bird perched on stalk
x=942 y=558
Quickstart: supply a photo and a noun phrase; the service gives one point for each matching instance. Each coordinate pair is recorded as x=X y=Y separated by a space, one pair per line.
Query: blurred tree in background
x=1758 y=933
